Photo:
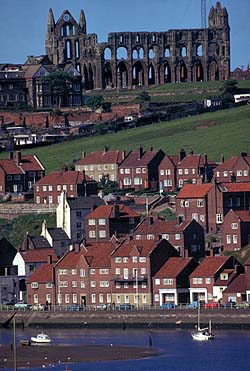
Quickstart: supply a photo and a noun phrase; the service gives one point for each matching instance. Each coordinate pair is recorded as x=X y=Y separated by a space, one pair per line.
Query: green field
x=223 y=132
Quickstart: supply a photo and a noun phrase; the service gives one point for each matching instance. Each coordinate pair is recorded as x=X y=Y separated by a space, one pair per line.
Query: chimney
x=182 y=154
x=123 y=155
x=83 y=154
x=18 y=157
x=140 y=152
x=205 y=159
x=151 y=148
x=11 y=155
x=191 y=152
x=243 y=154
x=222 y=159
x=116 y=211
x=105 y=149
x=49 y=259
x=150 y=220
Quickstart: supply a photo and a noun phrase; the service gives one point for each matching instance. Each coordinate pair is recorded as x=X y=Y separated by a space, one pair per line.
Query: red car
x=211 y=305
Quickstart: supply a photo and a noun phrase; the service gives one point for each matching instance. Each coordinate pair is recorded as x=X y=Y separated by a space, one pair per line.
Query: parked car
x=168 y=306
x=193 y=304
x=101 y=306
x=74 y=308
x=125 y=306
x=229 y=304
x=21 y=305
x=211 y=305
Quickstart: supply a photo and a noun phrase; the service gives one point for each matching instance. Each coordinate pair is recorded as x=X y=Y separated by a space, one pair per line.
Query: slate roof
x=76 y=203
x=43 y=274
x=38 y=255
x=58 y=234
x=173 y=267
x=108 y=211
x=209 y=266
x=102 y=157
x=39 y=242
x=194 y=191
x=64 y=177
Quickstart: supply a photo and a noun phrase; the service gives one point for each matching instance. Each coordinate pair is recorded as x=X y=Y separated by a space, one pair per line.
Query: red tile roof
x=10 y=167
x=160 y=226
x=244 y=215
x=209 y=266
x=42 y=274
x=38 y=255
x=238 y=285
x=173 y=267
x=194 y=191
x=108 y=211
x=134 y=160
x=27 y=163
x=168 y=161
x=193 y=161
x=235 y=187
x=101 y=157
x=231 y=162
x=144 y=248
x=63 y=177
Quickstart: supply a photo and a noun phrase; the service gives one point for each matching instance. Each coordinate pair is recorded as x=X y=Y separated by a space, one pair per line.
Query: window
x=66 y=298
x=228 y=238
x=134 y=259
x=38 y=200
x=162 y=172
x=144 y=170
x=118 y=285
x=177 y=236
x=92 y=271
x=92 y=283
x=180 y=172
x=197 y=280
x=193 y=171
x=126 y=285
x=118 y=260
x=234 y=225
x=137 y=181
x=167 y=182
x=102 y=234
x=58 y=187
x=127 y=171
x=157 y=281
x=138 y=170
x=245 y=172
x=168 y=281
x=143 y=285
x=117 y=271
x=35 y=298
x=49 y=285
x=93 y=298
x=125 y=260
x=150 y=237
x=166 y=236
x=168 y=172
x=104 y=271
x=235 y=239
x=157 y=297
x=82 y=272
x=195 y=216
x=142 y=259
x=186 y=204
x=143 y=271
x=127 y=181
x=74 y=284
x=91 y=221
x=102 y=221
x=73 y=271
x=186 y=171
x=91 y=234
x=34 y=285
x=121 y=171
x=208 y=280
x=200 y=203
x=230 y=202
x=225 y=173
x=239 y=173
x=219 y=218
x=237 y=201
x=104 y=283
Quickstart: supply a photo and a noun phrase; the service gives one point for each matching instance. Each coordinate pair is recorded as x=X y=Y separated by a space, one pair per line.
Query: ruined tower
x=131 y=59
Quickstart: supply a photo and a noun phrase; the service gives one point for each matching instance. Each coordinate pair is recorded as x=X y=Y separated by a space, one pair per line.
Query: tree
x=228 y=89
x=143 y=97
x=94 y=102
x=59 y=84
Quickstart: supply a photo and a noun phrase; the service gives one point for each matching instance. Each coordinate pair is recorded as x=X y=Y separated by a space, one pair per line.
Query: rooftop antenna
x=203 y=14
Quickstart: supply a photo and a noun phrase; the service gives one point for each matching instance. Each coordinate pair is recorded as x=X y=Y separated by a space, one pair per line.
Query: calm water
x=229 y=351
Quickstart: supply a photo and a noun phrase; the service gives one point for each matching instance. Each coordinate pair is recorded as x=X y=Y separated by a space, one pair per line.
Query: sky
x=24 y=22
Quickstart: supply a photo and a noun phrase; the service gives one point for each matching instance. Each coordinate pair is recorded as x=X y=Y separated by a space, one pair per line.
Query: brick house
x=212 y=276
x=71 y=213
x=167 y=173
x=75 y=183
x=108 y=220
x=41 y=286
x=57 y=239
x=197 y=202
x=236 y=230
x=194 y=168
x=235 y=196
x=19 y=173
x=236 y=291
x=171 y=282
x=187 y=237
x=101 y=163
x=235 y=169
x=133 y=263
x=83 y=276
x=139 y=170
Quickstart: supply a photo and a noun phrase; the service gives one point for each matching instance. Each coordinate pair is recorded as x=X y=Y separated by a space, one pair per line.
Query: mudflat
x=48 y=355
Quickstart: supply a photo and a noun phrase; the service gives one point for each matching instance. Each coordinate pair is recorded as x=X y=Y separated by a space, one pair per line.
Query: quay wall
x=172 y=318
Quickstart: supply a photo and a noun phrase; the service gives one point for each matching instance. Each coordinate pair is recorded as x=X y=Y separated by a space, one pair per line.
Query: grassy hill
x=223 y=132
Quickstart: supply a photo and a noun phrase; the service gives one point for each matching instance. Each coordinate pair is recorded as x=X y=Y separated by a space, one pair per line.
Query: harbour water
x=178 y=352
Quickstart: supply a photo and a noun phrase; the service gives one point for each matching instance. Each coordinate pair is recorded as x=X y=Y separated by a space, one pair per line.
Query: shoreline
x=49 y=355
x=173 y=318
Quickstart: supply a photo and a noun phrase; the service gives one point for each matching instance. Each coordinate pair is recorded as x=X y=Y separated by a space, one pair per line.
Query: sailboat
x=202 y=334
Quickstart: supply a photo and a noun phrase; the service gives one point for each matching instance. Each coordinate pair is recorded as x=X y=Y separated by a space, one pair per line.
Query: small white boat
x=41 y=338
x=202 y=334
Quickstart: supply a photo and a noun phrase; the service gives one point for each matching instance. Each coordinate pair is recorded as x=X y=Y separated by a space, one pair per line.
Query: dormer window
x=224 y=276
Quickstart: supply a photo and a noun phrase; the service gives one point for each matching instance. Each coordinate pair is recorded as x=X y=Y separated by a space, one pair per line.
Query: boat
x=25 y=342
x=41 y=338
x=202 y=334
